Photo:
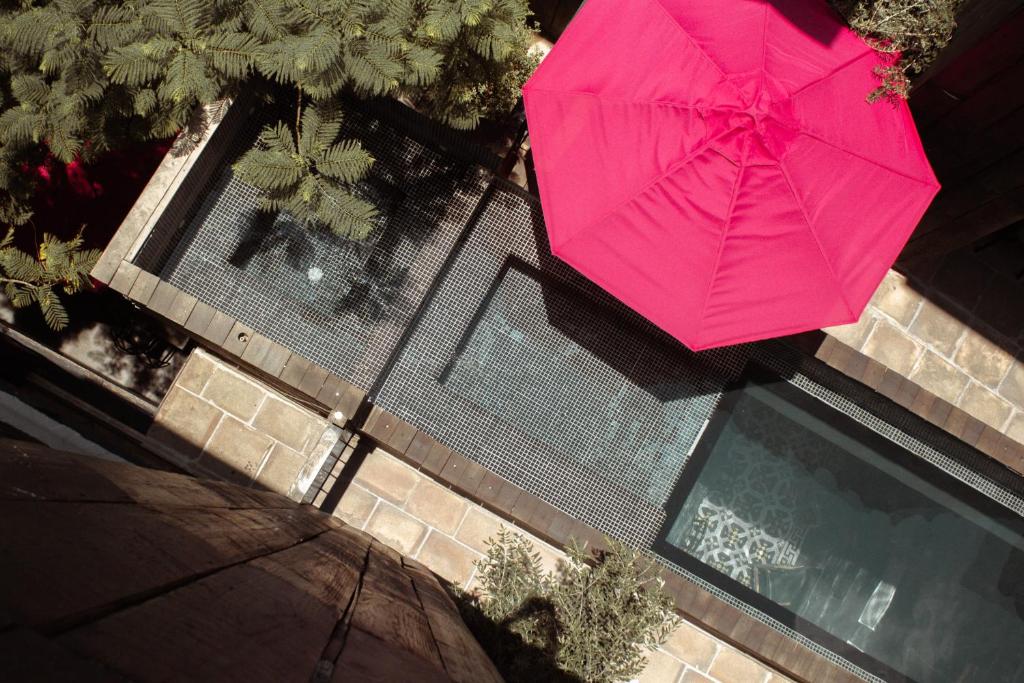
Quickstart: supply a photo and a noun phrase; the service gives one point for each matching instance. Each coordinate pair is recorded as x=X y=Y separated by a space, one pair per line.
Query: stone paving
x=409 y=511
x=910 y=334
x=229 y=425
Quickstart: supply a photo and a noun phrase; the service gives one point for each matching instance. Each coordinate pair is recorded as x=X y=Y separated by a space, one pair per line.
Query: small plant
x=485 y=62
x=311 y=174
x=59 y=267
x=592 y=620
x=912 y=32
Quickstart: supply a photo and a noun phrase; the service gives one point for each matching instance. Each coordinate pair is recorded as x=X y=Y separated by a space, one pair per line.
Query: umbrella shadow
x=645 y=356
x=824 y=27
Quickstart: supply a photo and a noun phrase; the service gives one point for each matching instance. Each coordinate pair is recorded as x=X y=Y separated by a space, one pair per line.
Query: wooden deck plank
x=27 y=656
x=32 y=472
x=271 y=619
x=389 y=609
x=464 y=659
x=97 y=555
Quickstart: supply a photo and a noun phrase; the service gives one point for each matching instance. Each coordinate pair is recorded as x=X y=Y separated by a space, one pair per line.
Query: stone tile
x=983 y=359
x=291 y=426
x=985 y=405
x=387 y=477
x=732 y=667
x=196 y=372
x=693 y=646
x=439 y=507
x=550 y=559
x=939 y=377
x=395 y=528
x=896 y=298
x=691 y=676
x=855 y=334
x=234 y=447
x=185 y=422
x=282 y=469
x=936 y=327
x=234 y=394
x=448 y=558
x=478 y=526
x=356 y=506
x=891 y=347
x=474 y=587
x=660 y=668
x=1012 y=386
x=1015 y=429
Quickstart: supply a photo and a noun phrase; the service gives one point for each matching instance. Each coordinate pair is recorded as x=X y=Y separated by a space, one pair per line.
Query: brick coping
x=915 y=398
x=527 y=511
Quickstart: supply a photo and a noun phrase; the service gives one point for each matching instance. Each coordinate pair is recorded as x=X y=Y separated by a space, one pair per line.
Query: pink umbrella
x=716 y=166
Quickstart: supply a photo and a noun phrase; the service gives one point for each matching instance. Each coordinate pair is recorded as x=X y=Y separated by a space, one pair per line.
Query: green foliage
x=594 y=618
x=912 y=31
x=310 y=175
x=78 y=77
x=59 y=94
x=60 y=267
x=484 y=46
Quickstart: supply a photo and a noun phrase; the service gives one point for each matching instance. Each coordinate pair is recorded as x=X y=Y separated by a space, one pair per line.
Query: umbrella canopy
x=716 y=166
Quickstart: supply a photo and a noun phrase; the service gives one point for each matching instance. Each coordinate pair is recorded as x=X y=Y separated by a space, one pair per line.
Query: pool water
x=848 y=538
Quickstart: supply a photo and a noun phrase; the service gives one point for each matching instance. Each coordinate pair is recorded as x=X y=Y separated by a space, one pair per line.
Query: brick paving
x=940 y=348
x=228 y=425
x=415 y=515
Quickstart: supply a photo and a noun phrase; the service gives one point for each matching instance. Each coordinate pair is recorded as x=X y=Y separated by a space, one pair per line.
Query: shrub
x=78 y=77
x=912 y=32
x=592 y=620
x=59 y=267
x=484 y=66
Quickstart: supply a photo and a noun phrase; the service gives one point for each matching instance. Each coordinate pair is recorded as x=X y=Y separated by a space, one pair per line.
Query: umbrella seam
x=616 y=100
x=867 y=53
x=817 y=242
x=836 y=146
x=721 y=248
x=686 y=34
x=764 y=51
x=670 y=171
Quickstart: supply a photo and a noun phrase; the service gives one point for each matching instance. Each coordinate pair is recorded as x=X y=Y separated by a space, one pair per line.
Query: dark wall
x=971 y=118
x=554 y=15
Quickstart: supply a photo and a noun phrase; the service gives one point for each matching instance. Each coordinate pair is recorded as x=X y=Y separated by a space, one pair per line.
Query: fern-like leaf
x=268 y=169
x=345 y=162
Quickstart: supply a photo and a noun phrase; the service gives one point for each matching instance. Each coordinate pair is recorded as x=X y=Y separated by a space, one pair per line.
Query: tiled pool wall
x=457 y=319
x=343 y=304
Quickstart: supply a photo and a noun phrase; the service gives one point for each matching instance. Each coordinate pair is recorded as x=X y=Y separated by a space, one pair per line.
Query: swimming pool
x=850 y=539
x=522 y=366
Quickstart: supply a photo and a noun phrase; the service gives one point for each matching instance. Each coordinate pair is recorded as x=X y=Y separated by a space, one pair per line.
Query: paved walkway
x=410 y=512
x=950 y=355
